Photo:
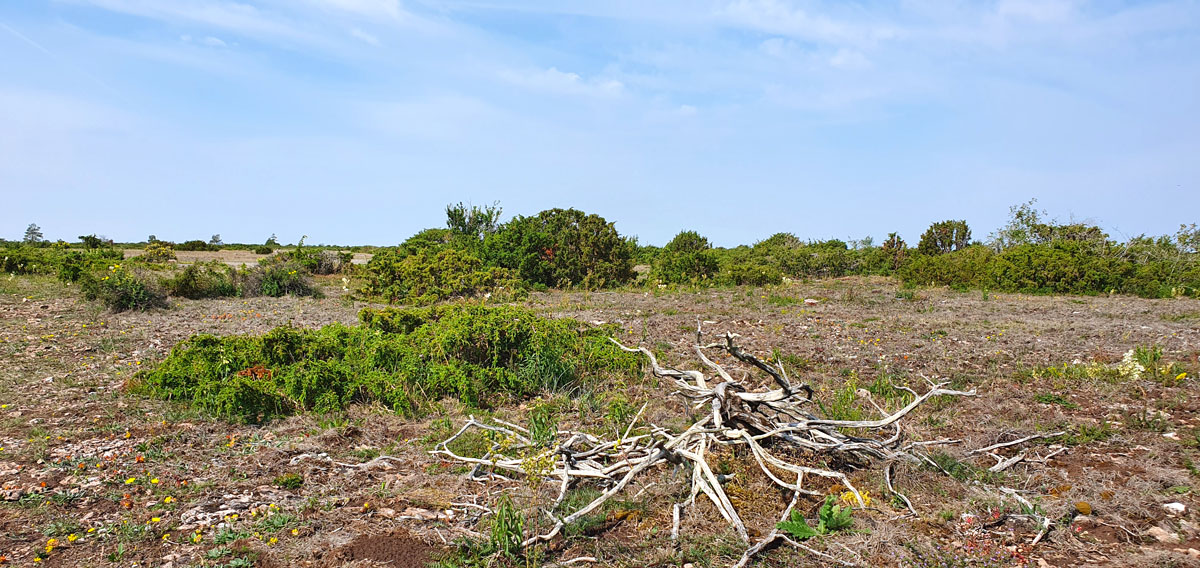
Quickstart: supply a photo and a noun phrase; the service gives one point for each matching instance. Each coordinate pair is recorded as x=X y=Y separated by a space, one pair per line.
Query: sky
x=358 y=121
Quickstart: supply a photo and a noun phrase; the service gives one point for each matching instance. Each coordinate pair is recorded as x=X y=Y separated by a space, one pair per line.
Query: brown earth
x=112 y=463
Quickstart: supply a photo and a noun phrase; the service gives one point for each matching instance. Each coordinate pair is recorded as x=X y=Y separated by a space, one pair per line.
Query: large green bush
x=687 y=258
x=428 y=276
x=969 y=267
x=562 y=247
x=404 y=359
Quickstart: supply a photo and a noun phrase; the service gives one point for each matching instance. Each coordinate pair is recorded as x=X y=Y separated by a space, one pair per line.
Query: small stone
x=1162 y=536
x=811 y=302
x=1171 y=436
x=1175 y=508
x=1192 y=552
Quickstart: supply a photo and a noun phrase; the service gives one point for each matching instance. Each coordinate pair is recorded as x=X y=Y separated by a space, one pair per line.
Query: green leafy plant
x=507 y=529
x=831 y=518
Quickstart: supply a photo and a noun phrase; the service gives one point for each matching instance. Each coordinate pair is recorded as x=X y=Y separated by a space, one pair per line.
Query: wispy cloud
x=563 y=83
x=781 y=17
x=364 y=36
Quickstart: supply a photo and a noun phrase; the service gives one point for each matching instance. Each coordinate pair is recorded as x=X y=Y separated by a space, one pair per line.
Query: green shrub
x=429 y=276
x=197 y=245
x=158 y=251
x=405 y=360
x=943 y=237
x=30 y=260
x=119 y=289
x=202 y=280
x=968 y=267
x=317 y=261
x=687 y=258
x=275 y=277
x=562 y=247
x=753 y=275
x=263 y=249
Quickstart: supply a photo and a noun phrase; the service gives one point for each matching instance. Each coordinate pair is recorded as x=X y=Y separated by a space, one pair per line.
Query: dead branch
x=772 y=425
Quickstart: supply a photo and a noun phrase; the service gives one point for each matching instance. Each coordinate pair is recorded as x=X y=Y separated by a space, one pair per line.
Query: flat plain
x=95 y=476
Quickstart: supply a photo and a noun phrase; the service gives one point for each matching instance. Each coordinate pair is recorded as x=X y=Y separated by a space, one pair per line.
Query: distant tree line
x=475 y=254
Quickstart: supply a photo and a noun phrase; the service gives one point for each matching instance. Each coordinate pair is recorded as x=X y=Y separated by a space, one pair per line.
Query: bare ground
x=151 y=483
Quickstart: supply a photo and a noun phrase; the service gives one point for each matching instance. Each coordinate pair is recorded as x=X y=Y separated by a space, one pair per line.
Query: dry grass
x=61 y=382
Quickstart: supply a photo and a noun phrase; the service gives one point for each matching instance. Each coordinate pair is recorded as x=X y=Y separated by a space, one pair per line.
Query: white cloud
x=564 y=83
x=1037 y=10
x=370 y=8
x=779 y=17
x=236 y=17
x=364 y=36
x=849 y=59
x=214 y=42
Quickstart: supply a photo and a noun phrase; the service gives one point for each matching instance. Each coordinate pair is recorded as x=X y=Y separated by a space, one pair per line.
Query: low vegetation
x=405 y=359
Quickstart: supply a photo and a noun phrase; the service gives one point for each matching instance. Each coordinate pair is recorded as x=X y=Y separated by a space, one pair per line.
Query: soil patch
x=397 y=549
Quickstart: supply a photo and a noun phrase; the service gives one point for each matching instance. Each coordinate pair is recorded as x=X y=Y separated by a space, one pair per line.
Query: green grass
x=1054 y=398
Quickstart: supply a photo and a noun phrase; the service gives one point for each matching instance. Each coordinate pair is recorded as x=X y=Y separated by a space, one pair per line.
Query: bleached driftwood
x=766 y=423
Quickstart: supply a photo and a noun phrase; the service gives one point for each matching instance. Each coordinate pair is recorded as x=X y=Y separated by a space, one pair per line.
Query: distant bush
x=158 y=251
x=120 y=289
x=752 y=275
x=430 y=276
x=29 y=260
x=263 y=249
x=562 y=247
x=55 y=259
x=970 y=267
x=275 y=277
x=197 y=245
x=406 y=360
x=202 y=280
x=316 y=260
x=428 y=239
x=944 y=236
x=687 y=258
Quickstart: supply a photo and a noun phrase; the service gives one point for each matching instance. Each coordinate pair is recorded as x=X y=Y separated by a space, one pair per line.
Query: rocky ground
x=93 y=476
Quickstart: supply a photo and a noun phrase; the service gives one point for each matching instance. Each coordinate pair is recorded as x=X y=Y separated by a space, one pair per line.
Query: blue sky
x=357 y=121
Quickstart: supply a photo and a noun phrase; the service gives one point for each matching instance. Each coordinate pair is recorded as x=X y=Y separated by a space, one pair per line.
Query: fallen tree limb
x=773 y=426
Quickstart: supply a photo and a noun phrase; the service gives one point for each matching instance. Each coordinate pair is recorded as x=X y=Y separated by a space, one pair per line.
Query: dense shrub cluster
x=202 y=280
x=404 y=359
x=429 y=275
x=216 y=280
x=687 y=258
x=477 y=256
x=197 y=245
x=24 y=259
x=275 y=276
x=158 y=251
x=120 y=289
x=562 y=248
x=315 y=260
